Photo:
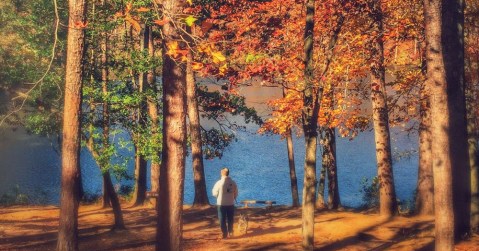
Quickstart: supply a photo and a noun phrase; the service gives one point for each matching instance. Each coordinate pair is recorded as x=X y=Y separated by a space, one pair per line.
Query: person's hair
x=225 y=171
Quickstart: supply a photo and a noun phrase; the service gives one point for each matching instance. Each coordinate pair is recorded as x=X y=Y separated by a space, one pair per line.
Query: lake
x=257 y=163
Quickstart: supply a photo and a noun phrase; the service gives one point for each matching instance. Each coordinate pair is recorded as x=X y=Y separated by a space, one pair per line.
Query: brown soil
x=279 y=228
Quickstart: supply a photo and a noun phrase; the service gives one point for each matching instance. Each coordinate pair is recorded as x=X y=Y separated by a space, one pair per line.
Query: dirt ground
x=279 y=228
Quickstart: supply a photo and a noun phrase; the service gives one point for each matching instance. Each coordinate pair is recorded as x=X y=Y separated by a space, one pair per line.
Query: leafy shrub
x=90 y=197
x=15 y=197
x=370 y=192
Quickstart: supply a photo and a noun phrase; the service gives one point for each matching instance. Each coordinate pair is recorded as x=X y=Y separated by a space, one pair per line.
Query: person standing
x=225 y=191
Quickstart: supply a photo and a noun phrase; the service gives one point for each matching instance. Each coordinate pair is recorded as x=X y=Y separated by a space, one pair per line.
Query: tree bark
x=329 y=153
x=172 y=172
x=111 y=197
x=320 y=202
x=472 y=139
x=201 y=196
x=292 y=169
x=152 y=104
x=425 y=181
x=115 y=202
x=445 y=78
x=387 y=193
x=139 y=194
x=106 y=114
x=69 y=198
x=311 y=100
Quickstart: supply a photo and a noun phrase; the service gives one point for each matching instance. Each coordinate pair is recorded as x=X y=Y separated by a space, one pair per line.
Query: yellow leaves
x=223 y=69
x=218 y=57
x=143 y=9
x=189 y=2
x=175 y=51
x=197 y=66
x=190 y=20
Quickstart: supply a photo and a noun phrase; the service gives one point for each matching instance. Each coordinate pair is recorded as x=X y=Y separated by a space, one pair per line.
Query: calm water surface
x=258 y=164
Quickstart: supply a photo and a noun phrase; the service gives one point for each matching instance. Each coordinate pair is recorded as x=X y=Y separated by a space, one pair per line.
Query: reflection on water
x=258 y=164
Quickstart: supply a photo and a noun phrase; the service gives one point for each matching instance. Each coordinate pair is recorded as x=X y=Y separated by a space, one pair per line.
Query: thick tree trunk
x=320 y=202
x=472 y=139
x=172 y=172
x=387 y=193
x=152 y=104
x=201 y=196
x=292 y=169
x=311 y=99
x=329 y=153
x=139 y=195
x=69 y=200
x=445 y=78
x=425 y=182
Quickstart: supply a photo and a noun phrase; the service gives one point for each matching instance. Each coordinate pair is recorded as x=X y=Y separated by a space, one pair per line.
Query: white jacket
x=225 y=191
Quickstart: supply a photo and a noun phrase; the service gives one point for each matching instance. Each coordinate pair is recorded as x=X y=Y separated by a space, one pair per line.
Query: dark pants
x=226 y=214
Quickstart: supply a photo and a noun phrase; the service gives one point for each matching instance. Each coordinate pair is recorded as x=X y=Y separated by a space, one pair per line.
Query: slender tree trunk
x=201 y=196
x=329 y=150
x=320 y=202
x=106 y=114
x=139 y=195
x=445 y=78
x=115 y=202
x=172 y=172
x=311 y=100
x=387 y=193
x=152 y=104
x=425 y=182
x=292 y=169
x=108 y=184
x=69 y=198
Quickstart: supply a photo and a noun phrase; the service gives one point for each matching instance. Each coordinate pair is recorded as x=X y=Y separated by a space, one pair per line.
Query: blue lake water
x=258 y=164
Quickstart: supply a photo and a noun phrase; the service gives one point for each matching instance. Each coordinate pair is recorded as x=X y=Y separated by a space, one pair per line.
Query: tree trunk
x=311 y=100
x=329 y=153
x=106 y=114
x=115 y=202
x=139 y=195
x=108 y=184
x=172 y=172
x=387 y=194
x=425 y=182
x=320 y=203
x=473 y=162
x=106 y=201
x=201 y=196
x=292 y=169
x=152 y=104
x=69 y=200
x=445 y=78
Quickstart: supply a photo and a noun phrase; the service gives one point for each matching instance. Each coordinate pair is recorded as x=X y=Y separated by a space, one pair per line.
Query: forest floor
x=279 y=228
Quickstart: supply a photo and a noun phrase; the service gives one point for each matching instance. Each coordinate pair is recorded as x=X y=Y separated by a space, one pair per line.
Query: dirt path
x=34 y=228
